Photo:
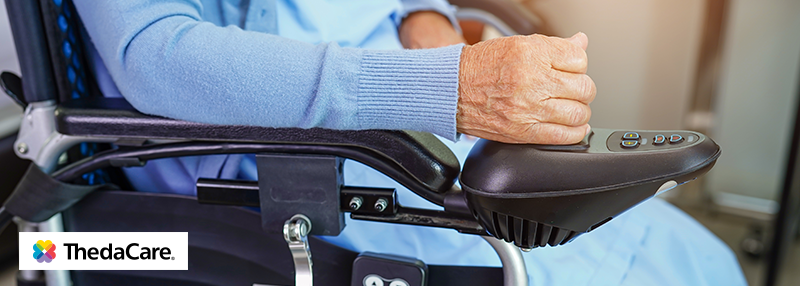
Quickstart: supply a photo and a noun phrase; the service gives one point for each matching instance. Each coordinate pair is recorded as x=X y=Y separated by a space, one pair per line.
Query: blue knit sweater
x=220 y=61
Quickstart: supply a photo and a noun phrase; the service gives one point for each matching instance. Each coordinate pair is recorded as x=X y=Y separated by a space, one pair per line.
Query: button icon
x=630 y=135
x=629 y=143
x=675 y=138
x=373 y=280
x=398 y=282
x=659 y=139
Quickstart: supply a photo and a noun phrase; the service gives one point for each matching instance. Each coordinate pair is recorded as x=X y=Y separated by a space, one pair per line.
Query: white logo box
x=174 y=246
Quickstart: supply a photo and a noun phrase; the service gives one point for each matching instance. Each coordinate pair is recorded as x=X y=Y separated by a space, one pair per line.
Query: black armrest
x=514 y=14
x=422 y=156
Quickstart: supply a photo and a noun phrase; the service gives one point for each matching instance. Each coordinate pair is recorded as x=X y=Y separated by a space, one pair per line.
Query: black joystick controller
x=539 y=195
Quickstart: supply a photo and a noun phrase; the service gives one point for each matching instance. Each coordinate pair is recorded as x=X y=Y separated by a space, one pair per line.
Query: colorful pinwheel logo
x=44 y=251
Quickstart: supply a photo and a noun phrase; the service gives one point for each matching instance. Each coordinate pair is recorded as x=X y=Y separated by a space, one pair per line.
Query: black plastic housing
x=536 y=197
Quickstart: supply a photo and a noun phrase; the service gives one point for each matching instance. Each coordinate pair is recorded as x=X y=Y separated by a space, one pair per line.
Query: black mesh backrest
x=67 y=50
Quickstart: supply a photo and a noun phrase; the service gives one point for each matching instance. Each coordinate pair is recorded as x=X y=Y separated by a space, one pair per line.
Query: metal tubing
x=55 y=277
x=486 y=18
x=38 y=140
x=514 y=272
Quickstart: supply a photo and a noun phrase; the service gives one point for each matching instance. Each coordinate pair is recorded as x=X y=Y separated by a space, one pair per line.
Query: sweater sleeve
x=166 y=61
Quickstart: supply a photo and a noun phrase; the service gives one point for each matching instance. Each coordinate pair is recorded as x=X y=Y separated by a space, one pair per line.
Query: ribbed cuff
x=410 y=89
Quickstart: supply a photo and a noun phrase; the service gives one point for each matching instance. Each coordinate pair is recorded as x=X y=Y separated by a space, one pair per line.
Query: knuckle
x=520 y=46
x=587 y=88
x=574 y=55
x=579 y=115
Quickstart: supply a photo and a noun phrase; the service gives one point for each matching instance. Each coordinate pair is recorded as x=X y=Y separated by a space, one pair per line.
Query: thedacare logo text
x=132 y=251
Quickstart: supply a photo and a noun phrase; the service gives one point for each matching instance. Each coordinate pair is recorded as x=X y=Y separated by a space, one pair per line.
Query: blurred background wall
x=757 y=101
x=642 y=55
x=8 y=57
x=663 y=64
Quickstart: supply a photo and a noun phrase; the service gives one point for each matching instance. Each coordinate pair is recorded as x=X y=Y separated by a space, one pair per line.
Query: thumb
x=580 y=39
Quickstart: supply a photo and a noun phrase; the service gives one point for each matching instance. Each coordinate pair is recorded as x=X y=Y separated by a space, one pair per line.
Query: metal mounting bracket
x=38 y=140
x=295 y=232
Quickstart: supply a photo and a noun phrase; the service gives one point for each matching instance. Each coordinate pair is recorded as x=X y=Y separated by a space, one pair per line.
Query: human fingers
x=564 y=112
x=567 y=56
x=573 y=86
x=555 y=134
x=580 y=39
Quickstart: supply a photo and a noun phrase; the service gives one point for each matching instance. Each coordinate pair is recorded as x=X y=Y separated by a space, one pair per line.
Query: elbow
x=146 y=70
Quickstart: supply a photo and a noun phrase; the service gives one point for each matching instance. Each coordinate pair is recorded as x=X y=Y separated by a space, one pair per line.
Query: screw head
x=525 y=249
x=22 y=148
x=380 y=205
x=355 y=203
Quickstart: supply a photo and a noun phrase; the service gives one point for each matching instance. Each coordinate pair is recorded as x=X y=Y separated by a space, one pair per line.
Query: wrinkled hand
x=427 y=30
x=526 y=89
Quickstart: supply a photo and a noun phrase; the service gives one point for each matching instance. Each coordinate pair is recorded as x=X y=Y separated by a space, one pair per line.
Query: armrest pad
x=426 y=158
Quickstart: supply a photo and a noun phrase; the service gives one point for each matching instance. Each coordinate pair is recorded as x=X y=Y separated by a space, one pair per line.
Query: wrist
x=427 y=29
x=463 y=83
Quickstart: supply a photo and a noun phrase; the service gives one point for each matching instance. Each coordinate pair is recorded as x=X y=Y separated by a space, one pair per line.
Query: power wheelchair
x=518 y=197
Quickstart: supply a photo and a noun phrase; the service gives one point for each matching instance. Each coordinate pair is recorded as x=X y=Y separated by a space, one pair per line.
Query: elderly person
x=340 y=65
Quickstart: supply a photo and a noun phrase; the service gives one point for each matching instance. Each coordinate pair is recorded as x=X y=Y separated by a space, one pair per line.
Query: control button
x=659 y=139
x=629 y=143
x=630 y=135
x=373 y=280
x=398 y=282
x=675 y=138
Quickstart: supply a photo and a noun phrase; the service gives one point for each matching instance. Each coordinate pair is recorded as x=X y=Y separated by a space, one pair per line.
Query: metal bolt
x=355 y=203
x=525 y=249
x=380 y=205
x=22 y=148
x=302 y=228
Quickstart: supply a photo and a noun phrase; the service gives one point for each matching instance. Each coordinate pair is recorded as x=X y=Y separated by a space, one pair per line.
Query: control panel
x=377 y=269
x=626 y=141
x=617 y=169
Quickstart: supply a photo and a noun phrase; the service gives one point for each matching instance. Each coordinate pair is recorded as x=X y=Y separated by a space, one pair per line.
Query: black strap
x=465 y=275
x=38 y=196
x=12 y=85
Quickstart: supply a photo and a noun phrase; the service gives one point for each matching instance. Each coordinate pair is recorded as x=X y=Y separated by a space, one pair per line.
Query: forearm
x=178 y=66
